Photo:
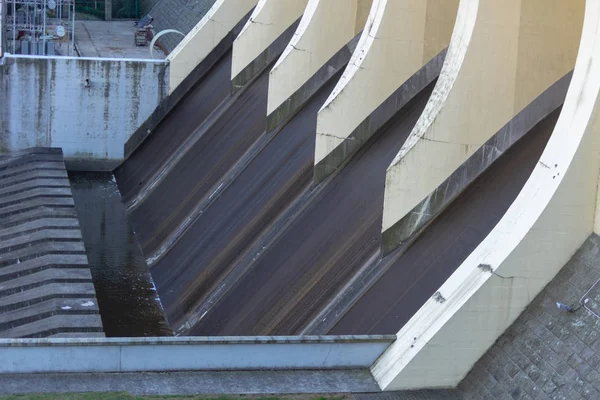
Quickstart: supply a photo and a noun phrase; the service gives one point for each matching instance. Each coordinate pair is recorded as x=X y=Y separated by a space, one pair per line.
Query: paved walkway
x=548 y=353
x=187 y=383
x=110 y=39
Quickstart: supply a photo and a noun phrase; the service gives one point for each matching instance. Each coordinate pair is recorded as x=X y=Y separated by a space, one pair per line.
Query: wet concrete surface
x=335 y=230
x=225 y=138
x=129 y=303
x=417 y=273
x=173 y=132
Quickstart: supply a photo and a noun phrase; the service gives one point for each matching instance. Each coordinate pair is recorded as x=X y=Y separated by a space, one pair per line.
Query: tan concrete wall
x=549 y=220
x=403 y=36
x=490 y=74
x=325 y=27
x=269 y=19
x=205 y=36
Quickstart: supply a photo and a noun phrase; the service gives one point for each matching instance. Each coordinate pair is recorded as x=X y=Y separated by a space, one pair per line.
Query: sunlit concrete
x=326 y=26
x=549 y=220
x=269 y=19
x=206 y=35
x=502 y=55
x=401 y=37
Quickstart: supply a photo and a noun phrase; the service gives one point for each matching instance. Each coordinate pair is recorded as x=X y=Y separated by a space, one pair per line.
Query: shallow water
x=129 y=303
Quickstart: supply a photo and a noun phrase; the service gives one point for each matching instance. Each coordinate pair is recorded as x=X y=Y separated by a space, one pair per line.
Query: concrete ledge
x=182 y=353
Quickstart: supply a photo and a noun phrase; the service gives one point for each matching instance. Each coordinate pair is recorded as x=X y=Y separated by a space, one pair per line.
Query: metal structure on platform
x=39 y=27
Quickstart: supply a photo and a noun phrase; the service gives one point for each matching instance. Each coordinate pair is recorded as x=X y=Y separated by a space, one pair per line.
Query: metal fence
x=121 y=9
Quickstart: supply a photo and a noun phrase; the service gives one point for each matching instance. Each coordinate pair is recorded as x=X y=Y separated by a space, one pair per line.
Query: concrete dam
x=398 y=180
x=246 y=235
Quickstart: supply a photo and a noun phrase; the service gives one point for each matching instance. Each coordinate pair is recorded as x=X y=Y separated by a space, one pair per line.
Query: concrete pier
x=46 y=287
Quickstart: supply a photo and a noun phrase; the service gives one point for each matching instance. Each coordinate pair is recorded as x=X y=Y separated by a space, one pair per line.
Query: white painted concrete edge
x=269 y=19
x=493 y=82
x=549 y=220
x=457 y=50
x=184 y=354
x=391 y=49
x=223 y=16
x=325 y=27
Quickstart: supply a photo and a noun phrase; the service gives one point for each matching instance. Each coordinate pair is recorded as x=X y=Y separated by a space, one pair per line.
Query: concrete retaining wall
x=88 y=107
x=179 y=353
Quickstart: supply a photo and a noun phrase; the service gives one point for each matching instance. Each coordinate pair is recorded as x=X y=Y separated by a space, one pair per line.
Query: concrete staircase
x=46 y=287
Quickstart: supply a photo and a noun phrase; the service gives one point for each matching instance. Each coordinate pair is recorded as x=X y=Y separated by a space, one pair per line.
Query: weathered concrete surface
x=404 y=280
x=193 y=82
x=429 y=208
x=502 y=55
x=314 y=257
x=399 y=38
x=189 y=383
x=45 y=283
x=196 y=170
x=237 y=122
x=87 y=107
x=378 y=118
x=545 y=225
x=171 y=128
x=265 y=59
x=325 y=27
x=168 y=354
x=214 y=26
x=307 y=90
x=269 y=19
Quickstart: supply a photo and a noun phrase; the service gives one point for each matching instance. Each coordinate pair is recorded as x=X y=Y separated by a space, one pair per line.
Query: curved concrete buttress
x=548 y=221
x=400 y=37
x=326 y=26
x=206 y=35
x=501 y=56
x=269 y=19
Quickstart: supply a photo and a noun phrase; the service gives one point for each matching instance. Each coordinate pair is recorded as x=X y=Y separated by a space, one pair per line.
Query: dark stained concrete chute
x=413 y=276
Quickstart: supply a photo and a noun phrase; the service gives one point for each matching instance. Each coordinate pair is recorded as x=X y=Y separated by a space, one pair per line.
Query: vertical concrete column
x=268 y=21
x=223 y=16
x=548 y=221
x=108 y=10
x=502 y=55
x=326 y=26
x=400 y=38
